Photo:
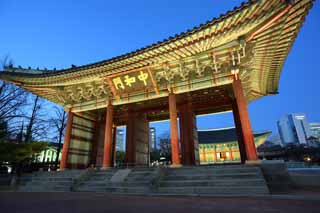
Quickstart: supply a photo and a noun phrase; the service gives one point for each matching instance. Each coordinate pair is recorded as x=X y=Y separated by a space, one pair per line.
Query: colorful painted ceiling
x=253 y=39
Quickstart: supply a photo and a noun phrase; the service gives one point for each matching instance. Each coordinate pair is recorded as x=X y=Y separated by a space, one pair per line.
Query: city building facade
x=315 y=130
x=49 y=154
x=294 y=129
x=120 y=139
x=152 y=139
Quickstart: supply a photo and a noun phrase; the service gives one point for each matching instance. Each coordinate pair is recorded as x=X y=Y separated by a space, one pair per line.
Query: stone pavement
x=101 y=202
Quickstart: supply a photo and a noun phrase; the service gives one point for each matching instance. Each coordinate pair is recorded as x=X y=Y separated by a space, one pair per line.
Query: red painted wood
x=242 y=149
x=107 y=151
x=187 y=137
x=130 y=143
x=174 y=130
x=244 y=120
x=66 y=143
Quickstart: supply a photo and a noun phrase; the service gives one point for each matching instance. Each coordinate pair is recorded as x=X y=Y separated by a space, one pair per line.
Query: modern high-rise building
x=120 y=140
x=152 y=139
x=294 y=129
x=315 y=130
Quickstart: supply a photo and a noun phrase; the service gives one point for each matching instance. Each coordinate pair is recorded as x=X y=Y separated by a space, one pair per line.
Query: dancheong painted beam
x=255 y=37
x=218 y=66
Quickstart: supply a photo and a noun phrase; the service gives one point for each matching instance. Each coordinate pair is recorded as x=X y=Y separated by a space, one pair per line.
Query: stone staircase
x=201 y=180
x=49 y=181
x=213 y=180
x=97 y=181
x=121 y=181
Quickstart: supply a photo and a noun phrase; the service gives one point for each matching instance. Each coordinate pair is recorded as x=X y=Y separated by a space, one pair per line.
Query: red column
x=230 y=153
x=187 y=134
x=214 y=154
x=242 y=149
x=114 y=142
x=130 y=143
x=204 y=155
x=94 y=149
x=66 y=143
x=244 y=120
x=107 y=150
x=174 y=130
x=184 y=135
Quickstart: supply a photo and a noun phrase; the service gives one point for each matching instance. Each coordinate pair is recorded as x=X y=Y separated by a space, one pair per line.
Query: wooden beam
x=154 y=83
x=113 y=89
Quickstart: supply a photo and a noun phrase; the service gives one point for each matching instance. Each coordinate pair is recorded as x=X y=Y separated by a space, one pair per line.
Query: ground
x=100 y=202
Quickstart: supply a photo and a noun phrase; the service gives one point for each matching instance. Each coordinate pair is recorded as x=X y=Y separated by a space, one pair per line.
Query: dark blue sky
x=59 y=33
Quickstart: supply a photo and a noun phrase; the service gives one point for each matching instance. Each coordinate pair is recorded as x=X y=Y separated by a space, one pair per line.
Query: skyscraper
x=119 y=140
x=152 y=139
x=315 y=130
x=294 y=129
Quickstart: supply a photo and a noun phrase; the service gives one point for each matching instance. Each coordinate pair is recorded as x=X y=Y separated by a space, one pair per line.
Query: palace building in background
x=221 y=65
x=221 y=145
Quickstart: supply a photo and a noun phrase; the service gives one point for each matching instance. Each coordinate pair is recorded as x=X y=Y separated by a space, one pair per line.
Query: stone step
x=211 y=176
x=128 y=189
x=50 y=183
x=145 y=178
x=90 y=189
x=59 y=174
x=196 y=183
x=116 y=189
x=48 y=179
x=114 y=184
x=140 y=174
x=213 y=171
x=94 y=178
x=97 y=173
x=218 y=190
x=33 y=188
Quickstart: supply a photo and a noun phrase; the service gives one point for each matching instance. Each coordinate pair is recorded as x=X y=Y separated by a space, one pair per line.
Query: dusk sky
x=59 y=33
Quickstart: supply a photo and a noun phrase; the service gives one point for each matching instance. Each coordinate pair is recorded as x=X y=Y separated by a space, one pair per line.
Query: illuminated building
x=221 y=65
x=221 y=145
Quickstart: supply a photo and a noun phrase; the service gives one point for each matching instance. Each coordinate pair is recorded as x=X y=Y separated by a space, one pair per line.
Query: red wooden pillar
x=214 y=154
x=66 y=143
x=94 y=147
x=185 y=135
x=130 y=143
x=204 y=155
x=174 y=130
x=242 y=149
x=243 y=120
x=230 y=153
x=188 y=134
x=107 y=150
x=114 y=147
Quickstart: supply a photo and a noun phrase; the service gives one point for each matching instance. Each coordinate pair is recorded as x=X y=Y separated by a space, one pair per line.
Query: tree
x=58 y=122
x=12 y=101
x=17 y=154
x=37 y=127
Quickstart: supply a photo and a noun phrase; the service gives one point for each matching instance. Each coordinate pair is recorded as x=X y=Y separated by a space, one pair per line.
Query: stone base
x=175 y=165
x=253 y=162
x=105 y=168
x=276 y=175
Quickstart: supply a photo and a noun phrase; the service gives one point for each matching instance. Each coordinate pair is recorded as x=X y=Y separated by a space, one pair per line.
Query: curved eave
x=234 y=24
x=260 y=76
x=272 y=47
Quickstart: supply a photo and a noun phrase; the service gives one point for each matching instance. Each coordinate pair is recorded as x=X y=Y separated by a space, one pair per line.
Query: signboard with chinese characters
x=132 y=82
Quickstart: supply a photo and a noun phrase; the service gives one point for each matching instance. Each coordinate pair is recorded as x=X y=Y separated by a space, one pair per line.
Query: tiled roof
x=225 y=135
x=149 y=47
